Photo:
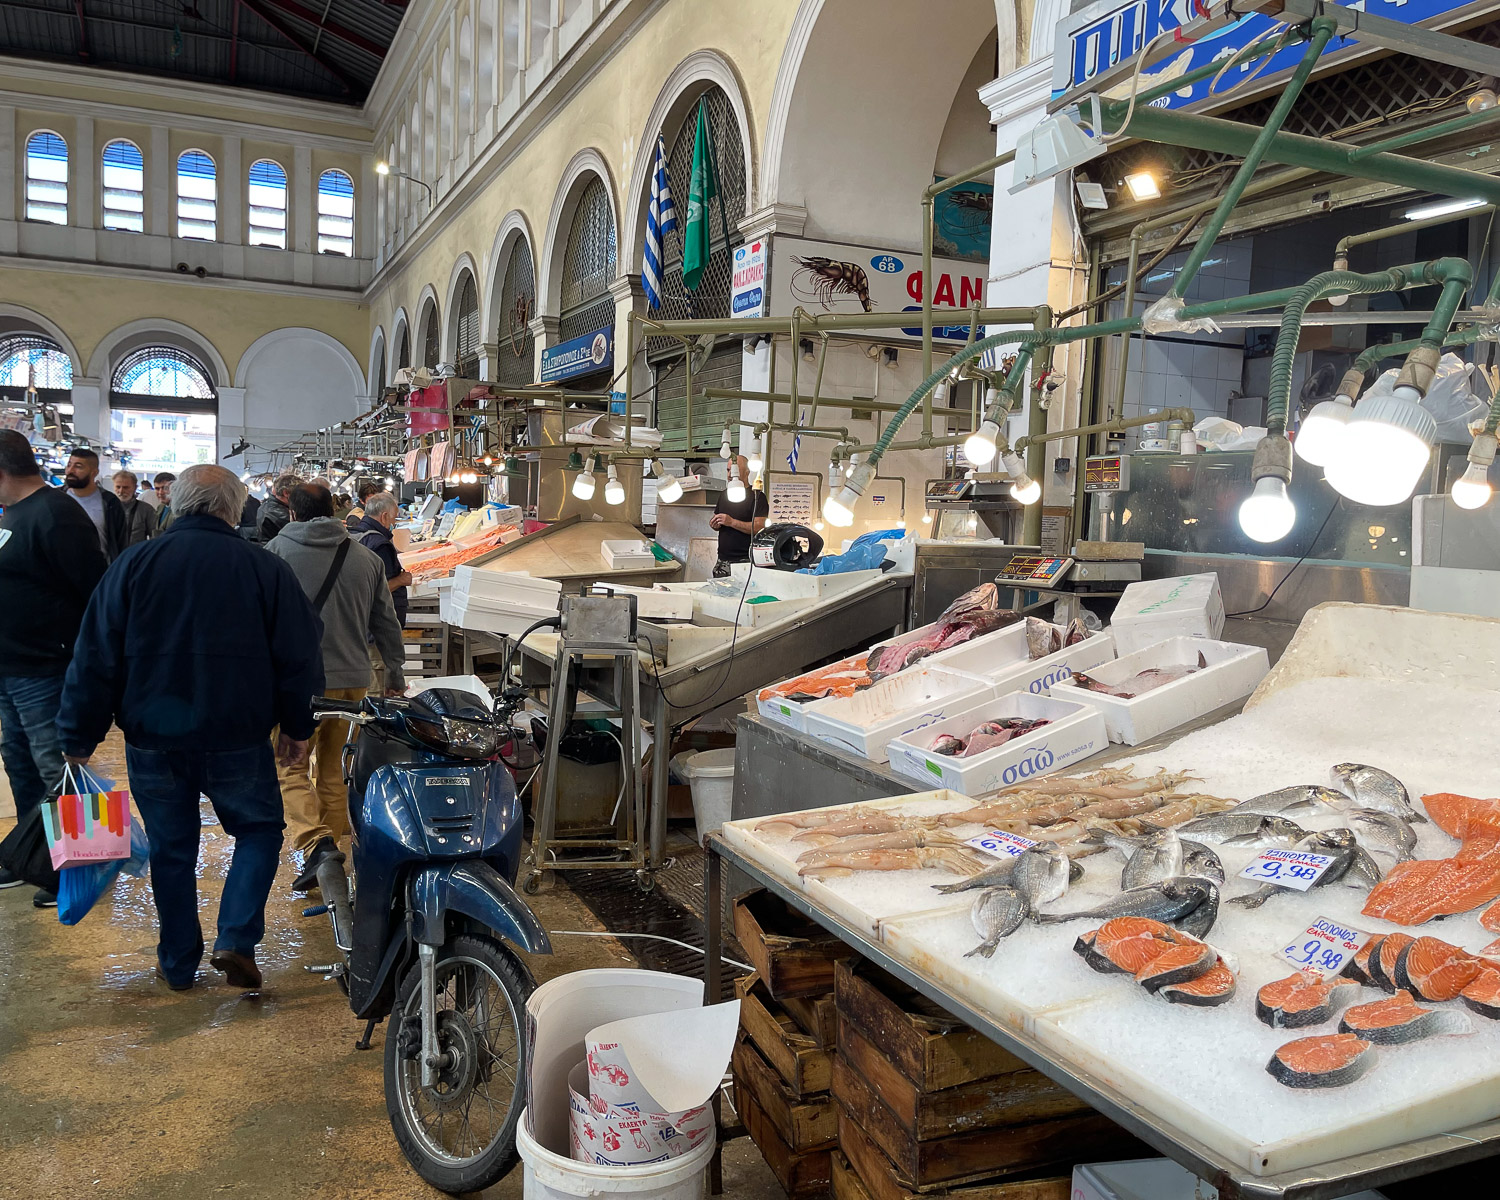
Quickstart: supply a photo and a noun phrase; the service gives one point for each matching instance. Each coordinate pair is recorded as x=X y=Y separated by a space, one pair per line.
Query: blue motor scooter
x=430 y=934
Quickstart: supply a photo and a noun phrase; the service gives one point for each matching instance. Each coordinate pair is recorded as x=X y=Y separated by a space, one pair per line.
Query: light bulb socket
x=941 y=392
x=1273 y=459
x=1404 y=412
x=1340 y=263
x=1482 y=452
x=575 y=461
x=1420 y=369
x=1351 y=385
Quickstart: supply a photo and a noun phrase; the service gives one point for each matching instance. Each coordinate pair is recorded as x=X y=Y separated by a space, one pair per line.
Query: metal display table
x=1339 y=1177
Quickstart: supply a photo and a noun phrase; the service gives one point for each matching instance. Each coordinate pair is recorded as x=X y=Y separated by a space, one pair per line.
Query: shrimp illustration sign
x=1096 y=38
x=832 y=277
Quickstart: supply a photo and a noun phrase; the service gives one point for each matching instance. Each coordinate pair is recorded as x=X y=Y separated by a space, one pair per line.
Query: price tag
x=1001 y=845
x=1323 y=947
x=1294 y=869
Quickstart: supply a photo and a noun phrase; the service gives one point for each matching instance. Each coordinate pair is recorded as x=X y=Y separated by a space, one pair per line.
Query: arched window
x=465 y=81
x=466 y=315
x=588 y=267
x=335 y=214
x=486 y=81
x=122 y=175
x=445 y=127
x=429 y=135
x=29 y=360
x=47 y=179
x=517 y=353
x=267 y=204
x=510 y=45
x=163 y=372
x=377 y=374
x=197 y=196
x=432 y=345
x=403 y=348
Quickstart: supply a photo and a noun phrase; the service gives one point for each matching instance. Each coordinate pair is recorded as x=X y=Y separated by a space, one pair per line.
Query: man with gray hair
x=274 y=514
x=198 y=644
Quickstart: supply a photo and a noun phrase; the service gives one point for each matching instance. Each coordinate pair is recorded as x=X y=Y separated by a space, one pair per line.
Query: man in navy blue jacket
x=199 y=644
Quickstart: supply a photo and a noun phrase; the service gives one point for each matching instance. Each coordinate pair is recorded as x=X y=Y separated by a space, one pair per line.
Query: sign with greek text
x=1324 y=947
x=1296 y=869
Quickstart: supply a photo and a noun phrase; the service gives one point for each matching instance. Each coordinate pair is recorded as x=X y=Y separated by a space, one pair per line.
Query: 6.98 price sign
x=1324 y=947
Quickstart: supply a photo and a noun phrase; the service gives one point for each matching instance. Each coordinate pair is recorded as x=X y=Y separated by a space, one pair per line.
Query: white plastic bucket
x=710 y=773
x=548 y=1176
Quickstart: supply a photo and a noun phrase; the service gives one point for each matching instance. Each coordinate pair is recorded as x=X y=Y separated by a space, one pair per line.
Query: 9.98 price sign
x=1296 y=869
x=1324 y=947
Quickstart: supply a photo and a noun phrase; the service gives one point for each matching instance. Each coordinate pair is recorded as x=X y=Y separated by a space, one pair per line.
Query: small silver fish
x=1370 y=787
x=1190 y=903
x=1159 y=858
x=997 y=913
x=1391 y=834
x=1041 y=874
x=1198 y=859
x=1243 y=829
x=1000 y=875
x=1305 y=797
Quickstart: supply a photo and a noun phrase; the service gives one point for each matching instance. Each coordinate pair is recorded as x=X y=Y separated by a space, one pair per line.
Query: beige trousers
x=313 y=794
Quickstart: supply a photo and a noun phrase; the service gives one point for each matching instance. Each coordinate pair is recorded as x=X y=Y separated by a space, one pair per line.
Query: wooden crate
x=793 y=955
x=847 y=1185
x=805 y=1067
x=816 y=1016
x=976 y=1155
x=803 y=1176
x=803 y=1122
x=933 y=1049
x=1015 y=1098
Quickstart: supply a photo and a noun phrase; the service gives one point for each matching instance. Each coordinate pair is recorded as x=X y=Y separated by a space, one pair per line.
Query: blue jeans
x=241 y=785
x=28 y=737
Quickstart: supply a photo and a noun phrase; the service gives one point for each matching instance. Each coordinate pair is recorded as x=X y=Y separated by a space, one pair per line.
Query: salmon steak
x=1399 y=1019
x=1177 y=964
x=1302 y=999
x=1324 y=1060
x=1483 y=995
x=1358 y=967
x=1416 y=891
x=1432 y=970
x=1383 y=959
x=1131 y=943
x=1214 y=987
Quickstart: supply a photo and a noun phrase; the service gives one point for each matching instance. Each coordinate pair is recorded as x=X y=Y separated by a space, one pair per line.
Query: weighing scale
x=1034 y=571
x=1106 y=473
x=980 y=507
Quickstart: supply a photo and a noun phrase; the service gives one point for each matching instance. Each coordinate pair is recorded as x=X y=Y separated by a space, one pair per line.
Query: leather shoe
x=239 y=969
x=176 y=987
x=324 y=848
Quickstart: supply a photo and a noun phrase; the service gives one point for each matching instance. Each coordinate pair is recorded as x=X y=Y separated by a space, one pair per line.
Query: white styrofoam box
x=793 y=713
x=901 y=552
x=1233 y=671
x=869 y=720
x=653 y=604
x=1004 y=657
x=1153 y=610
x=624 y=555
x=1073 y=731
x=789 y=585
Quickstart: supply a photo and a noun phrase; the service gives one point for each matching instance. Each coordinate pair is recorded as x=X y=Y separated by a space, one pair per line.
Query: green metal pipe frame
x=1341 y=251
x=1430 y=133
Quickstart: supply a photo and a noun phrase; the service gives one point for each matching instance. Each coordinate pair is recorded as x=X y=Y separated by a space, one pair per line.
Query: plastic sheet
x=80 y=887
x=1164 y=317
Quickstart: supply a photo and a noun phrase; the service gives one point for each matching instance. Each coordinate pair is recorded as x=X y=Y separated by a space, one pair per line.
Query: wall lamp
x=384 y=168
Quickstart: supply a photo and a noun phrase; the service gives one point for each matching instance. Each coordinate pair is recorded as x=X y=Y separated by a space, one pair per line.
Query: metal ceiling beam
x=1380 y=31
x=296 y=39
x=234 y=41
x=332 y=28
x=83 y=31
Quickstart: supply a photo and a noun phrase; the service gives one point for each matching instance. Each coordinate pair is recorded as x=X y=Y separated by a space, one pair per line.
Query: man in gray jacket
x=346 y=584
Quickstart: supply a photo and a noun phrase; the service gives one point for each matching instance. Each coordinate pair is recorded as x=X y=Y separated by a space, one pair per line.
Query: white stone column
x=629 y=297
x=9 y=185
x=83 y=175
x=232 y=194
x=231 y=423
x=159 y=167
x=304 y=202
x=543 y=334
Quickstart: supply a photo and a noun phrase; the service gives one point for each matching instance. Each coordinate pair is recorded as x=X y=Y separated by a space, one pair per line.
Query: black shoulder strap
x=332 y=577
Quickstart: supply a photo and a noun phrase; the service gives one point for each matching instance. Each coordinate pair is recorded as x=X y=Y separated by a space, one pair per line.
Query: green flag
x=704 y=187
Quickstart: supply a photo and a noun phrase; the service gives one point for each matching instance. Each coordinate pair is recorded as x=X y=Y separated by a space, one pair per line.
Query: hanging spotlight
x=1483 y=99
x=1268 y=514
x=1023 y=489
x=1386 y=447
x=839 y=509
x=941 y=392
x=614 y=490
x=1322 y=431
x=575 y=461
x=1473 y=489
x=668 y=486
x=753 y=458
x=736 y=490
x=1142 y=185
x=725 y=452
x=981 y=446
x=583 y=485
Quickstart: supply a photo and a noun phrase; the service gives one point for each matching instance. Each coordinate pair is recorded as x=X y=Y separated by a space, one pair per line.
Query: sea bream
x=1253 y=830
x=1337 y=844
x=1388 y=834
x=1147 y=860
x=1370 y=787
x=1190 y=903
x=997 y=913
x=1303 y=797
x=1000 y=873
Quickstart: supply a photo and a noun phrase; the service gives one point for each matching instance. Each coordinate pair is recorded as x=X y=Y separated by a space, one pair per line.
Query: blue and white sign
x=747 y=284
x=579 y=356
x=1102 y=35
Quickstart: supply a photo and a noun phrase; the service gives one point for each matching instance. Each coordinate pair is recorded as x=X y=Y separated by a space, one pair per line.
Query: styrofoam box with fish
x=1005 y=657
x=1232 y=672
x=864 y=899
x=793 y=713
x=1073 y=731
x=866 y=722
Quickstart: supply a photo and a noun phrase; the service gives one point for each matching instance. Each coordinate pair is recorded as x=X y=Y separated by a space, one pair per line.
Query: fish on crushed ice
x=1387 y=834
x=1214 y=987
x=1337 y=844
x=1483 y=995
x=1062 y=785
x=1370 y=787
x=1306 y=796
x=1126 y=944
x=1190 y=903
x=1398 y=1019
x=958 y=860
x=1198 y=859
x=1434 y=971
x=996 y=914
x=1054 y=810
x=1383 y=958
x=1321 y=1061
x=1041 y=875
x=1243 y=829
x=1416 y=891
x=1153 y=859
x=1140 y=683
x=1303 y=999
x=1179 y=964
x=999 y=874
x=899 y=839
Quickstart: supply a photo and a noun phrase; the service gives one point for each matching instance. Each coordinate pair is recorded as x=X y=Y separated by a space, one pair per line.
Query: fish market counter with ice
x=1189 y=1067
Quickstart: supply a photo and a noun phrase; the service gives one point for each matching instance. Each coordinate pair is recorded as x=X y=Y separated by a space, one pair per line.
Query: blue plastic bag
x=857 y=558
x=80 y=887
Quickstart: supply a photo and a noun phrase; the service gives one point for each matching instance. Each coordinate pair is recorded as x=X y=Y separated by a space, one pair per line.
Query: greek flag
x=661 y=219
x=791 y=458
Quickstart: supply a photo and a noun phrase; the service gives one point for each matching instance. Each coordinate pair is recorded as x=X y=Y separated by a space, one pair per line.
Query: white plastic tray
x=1003 y=656
x=868 y=721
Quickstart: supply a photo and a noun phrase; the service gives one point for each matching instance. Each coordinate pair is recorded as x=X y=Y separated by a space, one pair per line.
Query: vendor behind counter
x=738 y=522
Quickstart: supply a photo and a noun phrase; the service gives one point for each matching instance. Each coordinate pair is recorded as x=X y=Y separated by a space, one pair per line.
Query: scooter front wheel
x=459 y=1133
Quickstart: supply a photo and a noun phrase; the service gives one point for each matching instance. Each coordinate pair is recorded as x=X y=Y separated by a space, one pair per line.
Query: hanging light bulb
x=390 y=482
x=1473 y=489
x=724 y=451
x=1267 y=514
x=1322 y=432
x=927 y=518
x=668 y=486
x=1023 y=489
x=583 y=485
x=851 y=466
x=839 y=509
x=736 y=490
x=753 y=458
x=982 y=444
x=1386 y=448
x=614 y=490
x=648 y=466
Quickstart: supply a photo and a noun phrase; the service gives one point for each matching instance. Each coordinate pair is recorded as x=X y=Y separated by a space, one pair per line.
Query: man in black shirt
x=738 y=521
x=50 y=560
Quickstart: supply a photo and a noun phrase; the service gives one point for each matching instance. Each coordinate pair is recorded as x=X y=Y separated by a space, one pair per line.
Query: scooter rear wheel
x=460 y=1134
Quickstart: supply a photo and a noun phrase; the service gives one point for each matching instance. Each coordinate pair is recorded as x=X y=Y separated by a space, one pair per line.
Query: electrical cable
x=1250 y=612
x=1285 y=29
x=729 y=662
x=651 y=937
x=1135 y=88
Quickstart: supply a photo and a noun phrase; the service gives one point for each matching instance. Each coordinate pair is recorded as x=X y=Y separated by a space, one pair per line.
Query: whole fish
x=1338 y=844
x=1302 y=797
x=997 y=913
x=1041 y=875
x=1190 y=903
x=1042 y=637
x=1363 y=871
x=1242 y=829
x=1373 y=788
x=1392 y=835
x=1144 y=681
x=1159 y=858
x=1198 y=859
x=999 y=875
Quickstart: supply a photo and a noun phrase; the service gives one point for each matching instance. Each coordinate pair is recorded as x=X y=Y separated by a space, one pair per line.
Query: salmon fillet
x=1433 y=970
x=1413 y=892
x=1459 y=816
x=1302 y=999
x=1177 y=964
x=1383 y=959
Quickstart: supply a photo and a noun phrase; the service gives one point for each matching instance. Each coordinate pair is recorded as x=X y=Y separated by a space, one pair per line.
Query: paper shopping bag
x=86 y=824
